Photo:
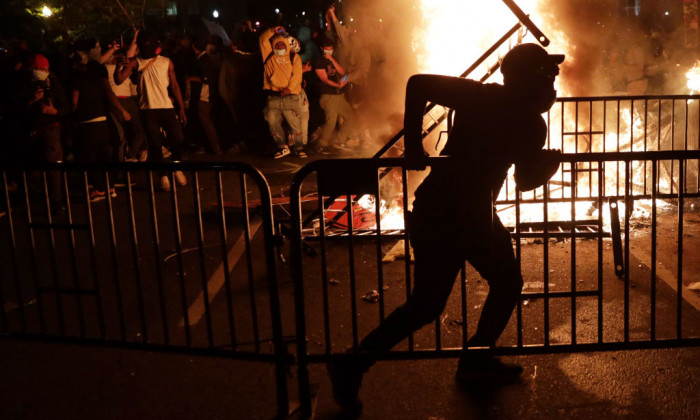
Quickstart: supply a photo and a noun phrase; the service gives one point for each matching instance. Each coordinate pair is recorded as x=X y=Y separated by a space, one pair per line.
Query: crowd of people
x=270 y=90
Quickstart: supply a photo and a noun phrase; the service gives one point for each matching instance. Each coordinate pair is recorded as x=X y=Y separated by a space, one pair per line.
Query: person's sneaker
x=300 y=154
x=130 y=159
x=166 y=153
x=96 y=195
x=180 y=178
x=476 y=370
x=346 y=378
x=165 y=183
x=281 y=153
x=143 y=155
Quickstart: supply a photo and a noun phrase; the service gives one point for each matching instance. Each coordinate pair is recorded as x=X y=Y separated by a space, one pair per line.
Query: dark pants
x=94 y=146
x=153 y=121
x=206 y=119
x=130 y=133
x=46 y=143
x=440 y=253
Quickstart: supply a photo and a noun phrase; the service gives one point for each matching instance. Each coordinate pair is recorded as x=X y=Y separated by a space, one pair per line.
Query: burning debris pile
x=604 y=52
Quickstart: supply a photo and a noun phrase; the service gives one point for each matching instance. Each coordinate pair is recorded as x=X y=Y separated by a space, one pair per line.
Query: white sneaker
x=282 y=153
x=180 y=178
x=165 y=183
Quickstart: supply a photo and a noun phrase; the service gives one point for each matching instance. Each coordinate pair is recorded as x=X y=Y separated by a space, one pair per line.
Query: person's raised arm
x=451 y=92
x=131 y=52
x=264 y=42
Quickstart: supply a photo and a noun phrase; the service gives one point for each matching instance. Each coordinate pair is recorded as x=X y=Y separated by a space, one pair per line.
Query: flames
x=693 y=76
x=454 y=34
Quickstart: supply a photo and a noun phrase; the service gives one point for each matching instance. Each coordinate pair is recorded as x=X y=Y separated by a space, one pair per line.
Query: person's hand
x=415 y=159
x=331 y=10
x=38 y=94
x=343 y=82
x=183 y=117
x=114 y=45
x=285 y=92
x=306 y=67
x=49 y=109
x=126 y=115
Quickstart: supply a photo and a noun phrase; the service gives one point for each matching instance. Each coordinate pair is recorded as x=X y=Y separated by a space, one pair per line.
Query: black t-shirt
x=92 y=97
x=333 y=75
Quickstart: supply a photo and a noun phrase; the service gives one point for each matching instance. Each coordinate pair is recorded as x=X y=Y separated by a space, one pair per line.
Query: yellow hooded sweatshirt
x=280 y=72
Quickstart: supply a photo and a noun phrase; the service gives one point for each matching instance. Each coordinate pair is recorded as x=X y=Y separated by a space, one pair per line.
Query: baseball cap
x=530 y=60
x=40 y=62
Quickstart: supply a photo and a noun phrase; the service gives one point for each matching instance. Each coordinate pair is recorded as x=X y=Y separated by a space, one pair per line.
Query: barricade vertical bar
x=156 y=246
x=673 y=134
x=224 y=258
x=658 y=129
x=646 y=120
x=299 y=304
x=617 y=149
x=601 y=186
x=93 y=258
x=685 y=144
x=135 y=256
x=627 y=252
x=324 y=275
x=679 y=276
x=115 y=261
x=407 y=247
x=180 y=264
x=654 y=175
x=74 y=257
x=202 y=257
x=15 y=268
x=54 y=262
x=545 y=260
x=35 y=271
x=518 y=254
x=380 y=268
x=463 y=290
x=574 y=188
x=351 y=262
x=249 y=260
x=590 y=148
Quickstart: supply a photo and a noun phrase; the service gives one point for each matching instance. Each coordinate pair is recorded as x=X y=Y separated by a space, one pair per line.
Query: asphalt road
x=56 y=381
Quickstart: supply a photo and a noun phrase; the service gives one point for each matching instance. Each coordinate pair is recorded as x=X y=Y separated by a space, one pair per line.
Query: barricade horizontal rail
x=576 y=296
x=168 y=257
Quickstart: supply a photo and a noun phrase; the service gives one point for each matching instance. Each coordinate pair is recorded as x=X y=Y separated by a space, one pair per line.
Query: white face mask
x=281 y=52
x=40 y=74
x=328 y=52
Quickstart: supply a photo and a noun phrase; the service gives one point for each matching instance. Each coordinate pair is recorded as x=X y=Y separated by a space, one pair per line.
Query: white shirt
x=123 y=90
x=153 y=87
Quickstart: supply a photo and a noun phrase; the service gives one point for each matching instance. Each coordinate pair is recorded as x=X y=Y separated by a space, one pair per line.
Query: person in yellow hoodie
x=282 y=84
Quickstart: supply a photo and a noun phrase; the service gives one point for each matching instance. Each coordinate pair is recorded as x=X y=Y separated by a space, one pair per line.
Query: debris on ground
x=333 y=282
x=372 y=296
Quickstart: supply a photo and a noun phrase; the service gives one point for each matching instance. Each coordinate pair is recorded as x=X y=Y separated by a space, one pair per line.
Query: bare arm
x=321 y=73
x=452 y=92
x=113 y=99
x=131 y=52
x=176 y=92
x=337 y=65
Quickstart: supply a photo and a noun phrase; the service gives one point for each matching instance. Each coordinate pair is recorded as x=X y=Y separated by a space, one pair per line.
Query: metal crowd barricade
x=571 y=301
x=180 y=271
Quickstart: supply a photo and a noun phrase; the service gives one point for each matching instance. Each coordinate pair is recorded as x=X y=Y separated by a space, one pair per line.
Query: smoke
x=611 y=50
x=383 y=29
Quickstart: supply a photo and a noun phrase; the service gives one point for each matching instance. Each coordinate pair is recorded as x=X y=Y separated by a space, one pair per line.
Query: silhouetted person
x=453 y=218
